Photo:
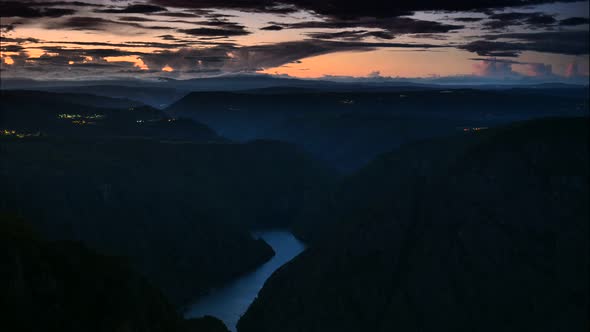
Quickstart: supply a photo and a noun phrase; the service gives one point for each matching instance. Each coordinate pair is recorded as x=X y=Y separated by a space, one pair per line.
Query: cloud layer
x=208 y=37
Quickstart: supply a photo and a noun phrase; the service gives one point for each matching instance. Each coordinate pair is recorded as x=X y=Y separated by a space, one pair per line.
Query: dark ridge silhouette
x=205 y=324
x=164 y=92
x=158 y=97
x=65 y=286
x=348 y=129
x=41 y=98
x=483 y=232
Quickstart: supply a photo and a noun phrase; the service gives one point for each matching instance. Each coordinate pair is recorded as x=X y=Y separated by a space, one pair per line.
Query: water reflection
x=230 y=302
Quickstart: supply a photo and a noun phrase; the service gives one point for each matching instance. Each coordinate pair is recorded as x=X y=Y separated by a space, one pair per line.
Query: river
x=230 y=302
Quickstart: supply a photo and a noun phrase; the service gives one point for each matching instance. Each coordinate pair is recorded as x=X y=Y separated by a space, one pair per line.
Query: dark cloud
x=56 y=60
x=272 y=27
x=189 y=59
x=573 y=21
x=221 y=23
x=134 y=9
x=92 y=52
x=352 y=35
x=57 y=46
x=267 y=6
x=27 y=9
x=59 y=62
x=558 y=42
x=512 y=16
x=214 y=32
x=179 y=14
x=505 y=20
x=62 y=3
x=215 y=15
x=11 y=48
x=126 y=45
x=168 y=37
x=435 y=36
x=468 y=19
x=63 y=62
x=393 y=25
x=82 y=23
x=348 y=9
x=6 y=28
x=499 y=49
x=97 y=23
x=136 y=19
x=19 y=40
x=541 y=19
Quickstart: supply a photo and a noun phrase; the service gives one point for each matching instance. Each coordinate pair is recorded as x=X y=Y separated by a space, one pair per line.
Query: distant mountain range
x=162 y=92
x=347 y=129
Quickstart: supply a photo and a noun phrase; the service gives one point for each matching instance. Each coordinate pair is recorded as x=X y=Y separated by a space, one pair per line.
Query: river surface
x=230 y=302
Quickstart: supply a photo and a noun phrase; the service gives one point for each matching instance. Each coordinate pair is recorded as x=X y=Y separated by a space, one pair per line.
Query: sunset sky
x=93 y=39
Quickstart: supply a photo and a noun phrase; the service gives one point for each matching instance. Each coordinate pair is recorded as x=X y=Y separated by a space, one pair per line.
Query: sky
x=512 y=40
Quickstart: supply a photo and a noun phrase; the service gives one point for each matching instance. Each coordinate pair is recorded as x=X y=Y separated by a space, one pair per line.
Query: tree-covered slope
x=65 y=286
x=181 y=211
x=486 y=232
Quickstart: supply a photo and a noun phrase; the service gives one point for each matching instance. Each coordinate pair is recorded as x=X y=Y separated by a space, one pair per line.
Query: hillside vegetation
x=485 y=232
x=65 y=286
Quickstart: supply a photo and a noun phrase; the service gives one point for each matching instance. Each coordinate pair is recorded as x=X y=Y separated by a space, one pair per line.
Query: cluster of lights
x=474 y=129
x=155 y=120
x=83 y=122
x=14 y=133
x=78 y=116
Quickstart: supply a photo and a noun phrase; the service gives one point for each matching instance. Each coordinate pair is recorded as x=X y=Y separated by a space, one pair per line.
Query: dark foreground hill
x=486 y=232
x=349 y=129
x=181 y=212
x=64 y=286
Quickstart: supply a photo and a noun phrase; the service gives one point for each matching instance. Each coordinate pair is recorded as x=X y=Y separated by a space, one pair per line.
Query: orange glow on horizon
x=384 y=62
x=137 y=61
x=168 y=69
x=8 y=60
